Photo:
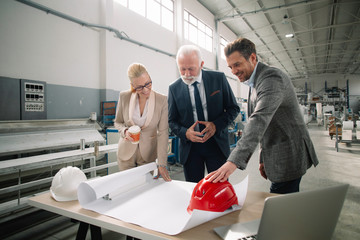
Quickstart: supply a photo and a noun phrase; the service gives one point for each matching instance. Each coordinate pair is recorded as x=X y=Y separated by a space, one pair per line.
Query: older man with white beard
x=201 y=107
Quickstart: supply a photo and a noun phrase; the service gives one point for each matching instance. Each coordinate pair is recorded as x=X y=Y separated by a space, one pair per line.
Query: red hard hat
x=215 y=197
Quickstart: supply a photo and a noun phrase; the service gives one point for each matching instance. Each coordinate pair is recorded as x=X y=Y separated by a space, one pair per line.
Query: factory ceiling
x=325 y=33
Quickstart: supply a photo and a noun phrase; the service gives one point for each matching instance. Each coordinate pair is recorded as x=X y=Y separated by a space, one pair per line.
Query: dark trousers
x=131 y=238
x=203 y=154
x=286 y=187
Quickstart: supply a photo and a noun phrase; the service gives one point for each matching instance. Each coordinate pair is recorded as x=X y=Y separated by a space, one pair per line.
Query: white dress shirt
x=137 y=117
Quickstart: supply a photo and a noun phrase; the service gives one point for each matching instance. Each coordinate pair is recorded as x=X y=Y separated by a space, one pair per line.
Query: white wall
x=240 y=90
x=195 y=8
x=40 y=46
x=121 y=53
x=43 y=47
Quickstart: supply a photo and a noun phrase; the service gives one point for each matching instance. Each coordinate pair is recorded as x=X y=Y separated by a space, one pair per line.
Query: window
x=122 y=2
x=197 y=32
x=153 y=11
x=158 y=11
x=138 y=6
x=223 y=43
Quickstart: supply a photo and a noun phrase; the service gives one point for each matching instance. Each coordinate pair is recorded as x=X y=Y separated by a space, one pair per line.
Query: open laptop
x=310 y=215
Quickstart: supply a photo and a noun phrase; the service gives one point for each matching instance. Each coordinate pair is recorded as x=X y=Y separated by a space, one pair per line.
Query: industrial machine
x=32 y=151
x=22 y=99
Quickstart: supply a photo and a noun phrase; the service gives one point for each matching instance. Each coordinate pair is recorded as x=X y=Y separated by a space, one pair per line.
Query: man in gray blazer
x=203 y=130
x=275 y=121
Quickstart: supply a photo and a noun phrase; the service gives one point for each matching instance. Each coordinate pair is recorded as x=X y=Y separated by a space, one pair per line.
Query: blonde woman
x=147 y=109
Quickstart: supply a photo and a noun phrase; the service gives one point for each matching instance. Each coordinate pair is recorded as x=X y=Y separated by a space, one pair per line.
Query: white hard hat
x=65 y=183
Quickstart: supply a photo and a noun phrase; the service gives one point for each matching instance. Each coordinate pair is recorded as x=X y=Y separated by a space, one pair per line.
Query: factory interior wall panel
x=66 y=102
x=143 y=30
x=340 y=81
x=61 y=52
x=9 y=99
x=44 y=47
x=33 y=99
x=354 y=85
x=333 y=80
x=244 y=91
x=195 y=8
x=109 y=95
x=112 y=137
x=319 y=82
x=354 y=92
x=87 y=10
x=208 y=57
x=162 y=68
x=233 y=84
x=200 y=12
x=354 y=103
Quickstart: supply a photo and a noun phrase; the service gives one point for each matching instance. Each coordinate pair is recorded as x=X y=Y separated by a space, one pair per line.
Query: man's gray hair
x=187 y=50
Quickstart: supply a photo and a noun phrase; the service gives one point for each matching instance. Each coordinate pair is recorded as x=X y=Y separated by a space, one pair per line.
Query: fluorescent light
x=289 y=35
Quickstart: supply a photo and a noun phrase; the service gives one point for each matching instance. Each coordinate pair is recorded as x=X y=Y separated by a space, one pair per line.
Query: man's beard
x=189 y=80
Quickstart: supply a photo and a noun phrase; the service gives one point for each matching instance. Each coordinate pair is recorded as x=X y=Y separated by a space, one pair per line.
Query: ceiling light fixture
x=285 y=19
x=289 y=35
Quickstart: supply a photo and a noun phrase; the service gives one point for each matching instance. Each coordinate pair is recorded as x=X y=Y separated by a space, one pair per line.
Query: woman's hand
x=127 y=136
x=163 y=172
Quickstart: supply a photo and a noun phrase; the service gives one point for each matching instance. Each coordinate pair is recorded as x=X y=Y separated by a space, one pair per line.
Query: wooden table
x=251 y=210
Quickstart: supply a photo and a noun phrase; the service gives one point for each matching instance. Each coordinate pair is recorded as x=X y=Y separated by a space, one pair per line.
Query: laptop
x=310 y=215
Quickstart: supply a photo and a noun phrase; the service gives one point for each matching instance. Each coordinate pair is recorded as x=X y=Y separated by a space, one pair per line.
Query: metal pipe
x=38 y=182
x=217 y=41
x=347 y=94
x=19 y=183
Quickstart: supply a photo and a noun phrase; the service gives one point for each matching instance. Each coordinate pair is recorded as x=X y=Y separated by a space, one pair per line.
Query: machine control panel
x=34 y=97
x=34 y=107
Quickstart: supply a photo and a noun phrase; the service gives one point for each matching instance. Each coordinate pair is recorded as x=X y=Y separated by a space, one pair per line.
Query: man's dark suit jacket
x=221 y=106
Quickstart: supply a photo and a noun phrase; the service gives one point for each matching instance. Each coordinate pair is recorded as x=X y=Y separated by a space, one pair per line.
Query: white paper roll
x=96 y=188
x=93 y=116
x=348 y=125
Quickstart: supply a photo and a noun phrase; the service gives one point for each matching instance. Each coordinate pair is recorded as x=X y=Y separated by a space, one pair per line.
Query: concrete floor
x=334 y=168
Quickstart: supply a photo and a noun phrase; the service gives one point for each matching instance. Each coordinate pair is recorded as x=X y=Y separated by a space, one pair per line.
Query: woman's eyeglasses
x=140 y=88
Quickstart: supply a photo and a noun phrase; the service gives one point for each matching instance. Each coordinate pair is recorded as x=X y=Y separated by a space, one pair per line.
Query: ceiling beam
x=265 y=10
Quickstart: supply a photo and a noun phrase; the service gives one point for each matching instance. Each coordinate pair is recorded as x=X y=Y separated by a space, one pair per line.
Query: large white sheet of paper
x=134 y=196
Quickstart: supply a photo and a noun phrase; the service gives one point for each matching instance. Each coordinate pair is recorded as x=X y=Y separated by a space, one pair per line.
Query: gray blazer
x=275 y=121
